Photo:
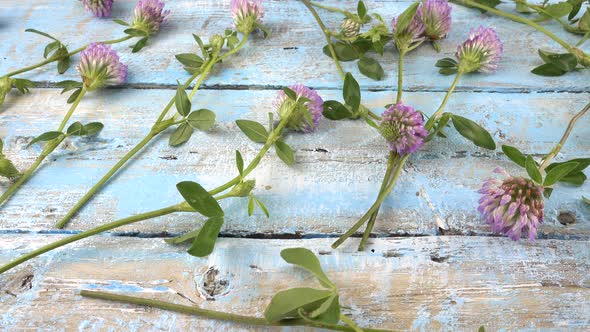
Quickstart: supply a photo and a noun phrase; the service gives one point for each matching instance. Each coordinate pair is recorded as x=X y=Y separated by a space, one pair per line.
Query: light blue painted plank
x=293 y=54
x=323 y=193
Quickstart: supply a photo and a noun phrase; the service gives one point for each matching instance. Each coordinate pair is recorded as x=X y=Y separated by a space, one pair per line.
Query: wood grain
x=428 y=283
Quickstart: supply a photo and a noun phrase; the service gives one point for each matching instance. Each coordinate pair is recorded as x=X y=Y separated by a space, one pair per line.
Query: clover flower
x=100 y=66
x=413 y=33
x=403 y=128
x=481 y=51
x=149 y=16
x=100 y=8
x=299 y=118
x=512 y=206
x=247 y=14
x=435 y=15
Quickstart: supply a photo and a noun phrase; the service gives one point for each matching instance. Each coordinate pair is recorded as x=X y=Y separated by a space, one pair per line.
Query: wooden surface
x=437 y=282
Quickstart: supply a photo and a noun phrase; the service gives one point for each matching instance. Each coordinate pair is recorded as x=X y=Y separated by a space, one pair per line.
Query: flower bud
x=513 y=206
x=350 y=28
x=100 y=66
x=149 y=16
x=247 y=14
x=480 y=52
x=403 y=128
x=298 y=115
x=7 y=168
x=242 y=189
x=100 y=8
x=216 y=42
x=436 y=18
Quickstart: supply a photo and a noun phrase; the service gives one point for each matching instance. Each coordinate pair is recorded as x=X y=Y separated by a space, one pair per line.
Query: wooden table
x=412 y=277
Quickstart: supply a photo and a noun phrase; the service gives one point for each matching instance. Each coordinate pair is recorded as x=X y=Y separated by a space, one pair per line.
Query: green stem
x=564 y=138
x=326 y=33
x=47 y=150
x=375 y=205
x=158 y=127
x=217 y=315
x=328 y=8
x=430 y=123
x=518 y=19
x=94 y=231
x=52 y=59
x=386 y=178
x=350 y=323
x=400 y=76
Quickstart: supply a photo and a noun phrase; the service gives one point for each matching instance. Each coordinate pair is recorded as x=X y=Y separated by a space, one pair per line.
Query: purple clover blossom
x=403 y=128
x=247 y=14
x=149 y=16
x=435 y=15
x=297 y=119
x=513 y=206
x=100 y=65
x=481 y=51
x=100 y=8
x=412 y=34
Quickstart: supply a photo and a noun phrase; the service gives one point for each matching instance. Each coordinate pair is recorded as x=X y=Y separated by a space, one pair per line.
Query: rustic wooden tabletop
x=412 y=277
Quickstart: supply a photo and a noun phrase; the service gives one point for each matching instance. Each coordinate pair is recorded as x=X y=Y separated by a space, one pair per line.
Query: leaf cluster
x=55 y=51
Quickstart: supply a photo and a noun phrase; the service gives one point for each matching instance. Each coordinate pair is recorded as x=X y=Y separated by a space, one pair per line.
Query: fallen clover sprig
x=310 y=307
x=148 y=17
x=299 y=109
x=246 y=19
x=514 y=206
x=555 y=64
x=404 y=128
x=99 y=66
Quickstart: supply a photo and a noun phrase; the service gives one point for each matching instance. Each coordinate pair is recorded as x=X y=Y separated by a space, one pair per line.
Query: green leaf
x=23 y=85
x=441 y=124
x=93 y=128
x=488 y=3
x=532 y=170
x=558 y=173
x=565 y=61
x=586 y=200
x=351 y=92
x=121 y=22
x=584 y=22
x=361 y=9
x=576 y=6
x=290 y=93
x=285 y=153
x=184 y=237
x=285 y=304
x=334 y=110
x=261 y=206
x=199 y=199
x=41 y=33
x=306 y=259
x=75 y=129
x=344 y=52
x=574 y=178
x=202 y=119
x=139 y=45
x=250 y=206
x=481 y=329
x=68 y=85
x=547 y=192
x=405 y=18
x=522 y=8
x=514 y=154
x=254 y=130
x=1 y=146
x=239 y=162
x=135 y=32
x=183 y=104
x=189 y=60
x=74 y=95
x=447 y=71
x=50 y=48
x=328 y=312
x=446 y=63
x=473 y=132
x=583 y=163
x=63 y=65
x=48 y=136
x=7 y=168
x=201 y=45
x=204 y=243
x=181 y=135
x=549 y=70
x=371 y=68
x=557 y=10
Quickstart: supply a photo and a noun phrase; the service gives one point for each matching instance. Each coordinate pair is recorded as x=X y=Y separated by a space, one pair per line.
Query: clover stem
x=217 y=315
x=52 y=59
x=47 y=150
x=436 y=115
x=400 y=76
x=159 y=126
x=564 y=138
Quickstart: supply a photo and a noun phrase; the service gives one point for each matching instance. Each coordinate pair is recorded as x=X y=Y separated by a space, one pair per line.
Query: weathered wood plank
x=292 y=54
x=429 y=283
x=336 y=177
